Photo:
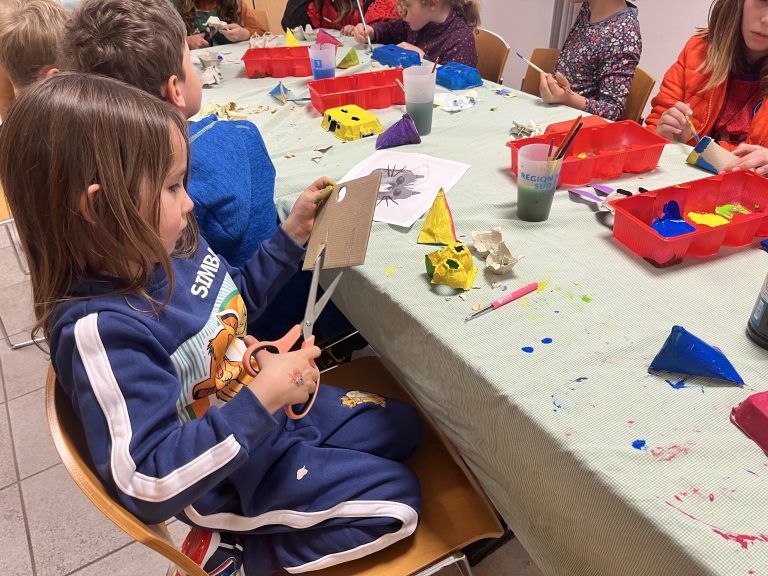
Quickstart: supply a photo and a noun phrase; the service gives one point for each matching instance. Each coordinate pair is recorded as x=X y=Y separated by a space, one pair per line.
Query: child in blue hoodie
x=147 y=333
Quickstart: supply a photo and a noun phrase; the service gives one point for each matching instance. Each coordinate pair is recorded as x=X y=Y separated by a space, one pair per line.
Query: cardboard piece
x=344 y=223
x=350 y=59
x=710 y=156
x=438 y=227
x=400 y=133
x=324 y=38
x=290 y=39
x=281 y=93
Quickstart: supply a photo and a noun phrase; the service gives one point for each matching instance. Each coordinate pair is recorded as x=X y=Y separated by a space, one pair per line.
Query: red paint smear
x=668 y=453
x=630 y=422
x=744 y=540
x=711 y=497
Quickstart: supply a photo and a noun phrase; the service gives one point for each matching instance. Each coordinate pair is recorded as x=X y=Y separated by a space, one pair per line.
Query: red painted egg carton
x=601 y=152
x=634 y=215
x=367 y=90
x=277 y=62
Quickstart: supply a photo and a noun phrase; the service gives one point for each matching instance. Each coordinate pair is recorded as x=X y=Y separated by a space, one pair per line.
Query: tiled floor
x=50 y=528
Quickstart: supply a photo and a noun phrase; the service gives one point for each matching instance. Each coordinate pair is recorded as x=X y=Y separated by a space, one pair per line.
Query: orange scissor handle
x=282 y=345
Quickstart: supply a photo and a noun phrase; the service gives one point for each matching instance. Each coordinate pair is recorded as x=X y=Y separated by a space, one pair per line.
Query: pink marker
x=519 y=293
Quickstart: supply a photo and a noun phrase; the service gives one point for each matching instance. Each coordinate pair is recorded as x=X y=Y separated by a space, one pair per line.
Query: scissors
x=288 y=342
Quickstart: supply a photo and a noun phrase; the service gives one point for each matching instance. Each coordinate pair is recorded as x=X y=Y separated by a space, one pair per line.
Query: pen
x=520 y=292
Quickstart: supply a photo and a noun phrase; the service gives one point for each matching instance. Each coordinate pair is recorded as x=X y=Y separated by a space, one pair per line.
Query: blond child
x=146 y=328
x=720 y=82
x=435 y=29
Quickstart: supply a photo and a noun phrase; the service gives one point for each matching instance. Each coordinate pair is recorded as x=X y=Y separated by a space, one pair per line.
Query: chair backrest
x=544 y=58
x=69 y=440
x=274 y=10
x=492 y=53
x=454 y=512
x=639 y=92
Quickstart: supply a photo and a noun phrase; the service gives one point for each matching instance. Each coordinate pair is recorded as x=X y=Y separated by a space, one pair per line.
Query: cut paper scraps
x=438 y=227
x=324 y=37
x=454 y=103
x=400 y=133
x=684 y=353
x=451 y=266
x=290 y=38
x=520 y=130
x=210 y=61
x=267 y=40
x=498 y=257
x=350 y=59
x=672 y=223
x=751 y=416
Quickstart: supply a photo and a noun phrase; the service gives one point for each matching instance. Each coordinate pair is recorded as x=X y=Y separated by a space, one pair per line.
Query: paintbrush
x=434 y=66
x=564 y=149
x=693 y=129
x=551 y=145
x=365 y=26
x=397 y=81
x=532 y=65
x=567 y=135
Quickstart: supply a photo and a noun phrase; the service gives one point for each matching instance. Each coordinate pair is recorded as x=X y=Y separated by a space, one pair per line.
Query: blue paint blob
x=672 y=223
x=677 y=385
x=547 y=341
x=527 y=349
x=638 y=444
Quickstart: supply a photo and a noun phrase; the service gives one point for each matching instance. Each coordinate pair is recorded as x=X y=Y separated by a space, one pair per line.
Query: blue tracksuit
x=172 y=431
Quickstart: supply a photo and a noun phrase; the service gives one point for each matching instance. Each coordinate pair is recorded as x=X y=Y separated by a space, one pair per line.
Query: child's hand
x=301 y=220
x=348 y=30
x=235 y=33
x=406 y=46
x=751 y=157
x=557 y=90
x=362 y=33
x=287 y=378
x=196 y=41
x=673 y=125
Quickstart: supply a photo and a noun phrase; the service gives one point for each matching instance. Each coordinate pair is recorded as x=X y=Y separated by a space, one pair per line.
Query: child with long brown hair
x=146 y=328
x=341 y=15
x=434 y=28
x=720 y=81
x=238 y=14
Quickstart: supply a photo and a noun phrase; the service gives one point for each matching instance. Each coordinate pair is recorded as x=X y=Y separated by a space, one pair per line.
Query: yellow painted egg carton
x=351 y=122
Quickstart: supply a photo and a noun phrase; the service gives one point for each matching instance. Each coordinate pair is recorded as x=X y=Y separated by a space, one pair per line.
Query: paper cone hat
x=349 y=60
x=290 y=39
x=686 y=354
x=438 y=227
x=324 y=38
x=401 y=132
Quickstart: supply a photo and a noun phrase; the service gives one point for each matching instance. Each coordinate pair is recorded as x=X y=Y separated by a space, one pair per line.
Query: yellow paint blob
x=711 y=220
x=389 y=271
x=543 y=284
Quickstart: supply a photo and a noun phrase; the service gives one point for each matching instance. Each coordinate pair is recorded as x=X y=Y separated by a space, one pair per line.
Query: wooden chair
x=639 y=92
x=454 y=514
x=274 y=10
x=492 y=53
x=544 y=58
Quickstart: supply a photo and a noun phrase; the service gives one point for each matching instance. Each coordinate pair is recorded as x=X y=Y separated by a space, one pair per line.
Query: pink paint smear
x=744 y=540
x=668 y=453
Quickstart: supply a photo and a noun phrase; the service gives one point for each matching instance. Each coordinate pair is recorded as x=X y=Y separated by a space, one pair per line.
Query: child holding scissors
x=146 y=327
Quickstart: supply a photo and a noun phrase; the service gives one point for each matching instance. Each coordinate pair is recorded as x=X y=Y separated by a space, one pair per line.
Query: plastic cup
x=419 y=84
x=536 y=182
x=323 y=60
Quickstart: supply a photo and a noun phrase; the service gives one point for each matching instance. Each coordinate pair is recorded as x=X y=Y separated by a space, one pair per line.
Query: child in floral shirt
x=597 y=63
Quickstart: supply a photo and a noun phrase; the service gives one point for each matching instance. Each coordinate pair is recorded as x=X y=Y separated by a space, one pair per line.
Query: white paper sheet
x=409 y=184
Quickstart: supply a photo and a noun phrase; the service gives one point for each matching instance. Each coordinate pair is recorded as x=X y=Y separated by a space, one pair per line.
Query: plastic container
x=634 y=215
x=368 y=90
x=601 y=152
x=393 y=55
x=322 y=57
x=277 y=62
x=455 y=76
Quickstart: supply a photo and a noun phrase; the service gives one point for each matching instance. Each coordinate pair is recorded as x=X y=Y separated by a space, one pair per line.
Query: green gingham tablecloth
x=597 y=466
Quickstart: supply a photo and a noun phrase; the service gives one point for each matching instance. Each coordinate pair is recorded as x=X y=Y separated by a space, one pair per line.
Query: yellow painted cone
x=438 y=227
x=290 y=39
x=349 y=60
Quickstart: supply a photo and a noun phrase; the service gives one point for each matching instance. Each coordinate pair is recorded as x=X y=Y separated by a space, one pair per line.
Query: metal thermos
x=757 y=327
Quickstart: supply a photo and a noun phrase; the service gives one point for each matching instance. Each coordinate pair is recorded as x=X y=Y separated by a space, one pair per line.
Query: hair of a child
x=343 y=7
x=469 y=10
x=726 y=54
x=64 y=134
x=229 y=12
x=141 y=42
x=30 y=31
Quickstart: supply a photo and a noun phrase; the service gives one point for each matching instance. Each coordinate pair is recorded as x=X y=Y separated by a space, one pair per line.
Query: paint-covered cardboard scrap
x=451 y=266
x=684 y=353
x=710 y=156
x=751 y=416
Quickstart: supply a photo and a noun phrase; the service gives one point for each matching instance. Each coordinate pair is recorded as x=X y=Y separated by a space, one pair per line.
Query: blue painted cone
x=685 y=353
x=401 y=132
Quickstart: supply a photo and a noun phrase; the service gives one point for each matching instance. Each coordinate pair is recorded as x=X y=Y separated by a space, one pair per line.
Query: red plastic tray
x=634 y=215
x=367 y=90
x=277 y=62
x=610 y=149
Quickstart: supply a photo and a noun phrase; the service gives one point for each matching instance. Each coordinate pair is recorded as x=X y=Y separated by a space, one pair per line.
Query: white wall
x=526 y=24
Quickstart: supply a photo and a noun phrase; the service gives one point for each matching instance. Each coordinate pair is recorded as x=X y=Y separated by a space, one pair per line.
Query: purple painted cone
x=401 y=132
